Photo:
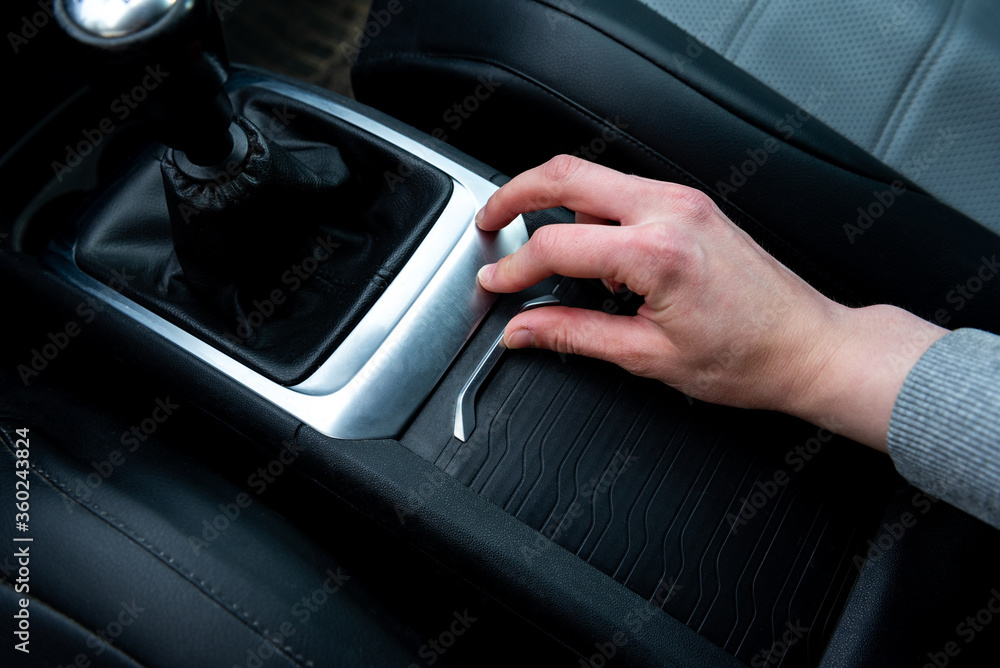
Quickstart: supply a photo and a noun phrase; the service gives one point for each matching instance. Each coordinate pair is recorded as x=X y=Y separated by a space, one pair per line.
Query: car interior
x=256 y=409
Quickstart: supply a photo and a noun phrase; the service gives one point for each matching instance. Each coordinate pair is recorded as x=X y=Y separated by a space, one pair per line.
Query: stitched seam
x=909 y=91
x=645 y=148
x=721 y=104
x=206 y=589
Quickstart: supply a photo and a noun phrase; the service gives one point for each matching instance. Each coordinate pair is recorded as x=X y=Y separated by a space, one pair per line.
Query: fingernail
x=520 y=338
x=486 y=272
x=480 y=215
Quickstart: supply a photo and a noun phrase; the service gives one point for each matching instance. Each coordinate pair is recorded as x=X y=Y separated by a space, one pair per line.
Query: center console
x=389 y=346
x=322 y=259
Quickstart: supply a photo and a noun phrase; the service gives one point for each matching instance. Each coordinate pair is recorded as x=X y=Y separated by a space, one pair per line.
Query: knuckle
x=661 y=243
x=694 y=204
x=666 y=253
x=561 y=340
x=561 y=168
x=545 y=243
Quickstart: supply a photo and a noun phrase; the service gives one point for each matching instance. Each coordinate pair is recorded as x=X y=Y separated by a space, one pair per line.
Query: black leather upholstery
x=514 y=82
x=167 y=561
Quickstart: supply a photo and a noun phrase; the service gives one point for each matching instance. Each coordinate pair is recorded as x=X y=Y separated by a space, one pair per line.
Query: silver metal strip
x=375 y=381
x=465 y=405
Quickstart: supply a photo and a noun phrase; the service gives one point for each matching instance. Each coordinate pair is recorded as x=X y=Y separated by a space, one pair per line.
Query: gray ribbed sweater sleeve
x=944 y=434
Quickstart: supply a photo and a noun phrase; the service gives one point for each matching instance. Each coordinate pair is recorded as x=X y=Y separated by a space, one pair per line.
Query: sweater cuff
x=944 y=433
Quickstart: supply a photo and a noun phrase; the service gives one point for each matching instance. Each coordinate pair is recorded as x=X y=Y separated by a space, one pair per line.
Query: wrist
x=853 y=381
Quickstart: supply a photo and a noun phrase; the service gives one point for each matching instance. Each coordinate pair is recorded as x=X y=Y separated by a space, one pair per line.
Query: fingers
x=587 y=219
x=578 y=251
x=621 y=340
x=576 y=184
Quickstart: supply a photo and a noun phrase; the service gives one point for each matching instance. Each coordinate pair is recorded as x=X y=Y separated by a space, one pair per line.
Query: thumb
x=626 y=341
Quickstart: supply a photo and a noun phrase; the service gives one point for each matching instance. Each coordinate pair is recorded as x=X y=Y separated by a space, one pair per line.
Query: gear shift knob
x=117 y=43
x=117 y=18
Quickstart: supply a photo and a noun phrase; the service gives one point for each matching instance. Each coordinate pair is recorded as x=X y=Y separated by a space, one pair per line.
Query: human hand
x=722 y=321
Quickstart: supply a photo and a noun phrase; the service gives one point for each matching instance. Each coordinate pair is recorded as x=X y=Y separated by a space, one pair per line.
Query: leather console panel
x=302 y=307
x=120 y=547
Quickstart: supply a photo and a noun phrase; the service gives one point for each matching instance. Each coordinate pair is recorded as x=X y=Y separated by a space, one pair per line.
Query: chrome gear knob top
x=117 y=18
x=113 y=43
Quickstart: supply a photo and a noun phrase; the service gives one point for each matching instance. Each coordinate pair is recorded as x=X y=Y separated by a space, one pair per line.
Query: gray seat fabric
x=916 y=83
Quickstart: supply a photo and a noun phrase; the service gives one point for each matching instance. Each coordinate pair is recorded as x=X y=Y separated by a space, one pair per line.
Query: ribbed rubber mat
x=744 y=525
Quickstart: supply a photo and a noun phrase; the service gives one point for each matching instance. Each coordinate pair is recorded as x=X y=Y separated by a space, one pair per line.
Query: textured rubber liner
x=744 y=525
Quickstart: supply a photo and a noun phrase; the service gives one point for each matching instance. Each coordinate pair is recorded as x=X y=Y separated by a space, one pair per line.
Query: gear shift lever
x=118 y=40
x=271 y=251
x=226 y=183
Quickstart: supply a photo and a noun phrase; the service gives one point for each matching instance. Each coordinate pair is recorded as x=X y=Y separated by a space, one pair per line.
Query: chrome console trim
x=465 y=404
x=374 y=382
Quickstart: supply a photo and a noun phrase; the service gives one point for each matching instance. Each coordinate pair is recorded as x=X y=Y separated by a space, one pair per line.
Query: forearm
x=944 y=436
